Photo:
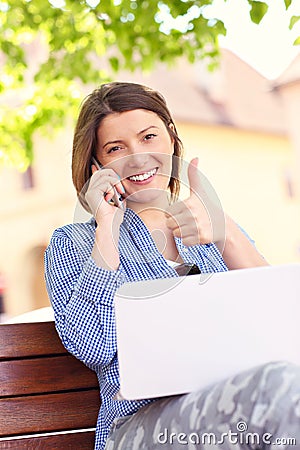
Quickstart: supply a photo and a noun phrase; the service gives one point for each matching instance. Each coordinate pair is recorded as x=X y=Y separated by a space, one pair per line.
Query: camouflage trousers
x=257 y=409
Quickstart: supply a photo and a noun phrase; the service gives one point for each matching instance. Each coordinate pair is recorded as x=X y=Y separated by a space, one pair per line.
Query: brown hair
x=117 y=97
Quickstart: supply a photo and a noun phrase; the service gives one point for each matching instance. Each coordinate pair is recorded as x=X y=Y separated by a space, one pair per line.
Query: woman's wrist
x=105 y=251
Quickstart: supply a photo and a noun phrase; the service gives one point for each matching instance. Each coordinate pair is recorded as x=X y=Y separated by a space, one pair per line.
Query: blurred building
x=242 y=127
x=288 y=88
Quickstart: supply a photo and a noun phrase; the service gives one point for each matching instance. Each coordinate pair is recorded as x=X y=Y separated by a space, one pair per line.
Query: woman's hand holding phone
x=103 y=187
x=104 y=192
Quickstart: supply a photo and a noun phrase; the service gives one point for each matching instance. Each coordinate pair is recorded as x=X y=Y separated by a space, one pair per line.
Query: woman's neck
x=151 y=212
x=154 y=217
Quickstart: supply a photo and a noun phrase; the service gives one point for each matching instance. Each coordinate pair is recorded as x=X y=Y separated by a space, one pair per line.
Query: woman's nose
x=137 y=159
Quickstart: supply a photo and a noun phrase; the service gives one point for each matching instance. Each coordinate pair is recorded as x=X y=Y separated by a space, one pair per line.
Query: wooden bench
x=48 y=399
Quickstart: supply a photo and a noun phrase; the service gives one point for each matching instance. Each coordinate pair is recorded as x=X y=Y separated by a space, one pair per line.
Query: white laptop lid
x=178 y=335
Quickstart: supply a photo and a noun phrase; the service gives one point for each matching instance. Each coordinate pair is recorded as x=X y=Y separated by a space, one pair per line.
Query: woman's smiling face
x=138 y=146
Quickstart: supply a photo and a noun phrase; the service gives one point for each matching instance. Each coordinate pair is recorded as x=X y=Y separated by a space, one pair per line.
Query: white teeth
x=143 y=176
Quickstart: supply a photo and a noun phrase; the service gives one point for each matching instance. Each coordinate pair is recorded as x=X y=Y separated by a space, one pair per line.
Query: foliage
x=79 y=38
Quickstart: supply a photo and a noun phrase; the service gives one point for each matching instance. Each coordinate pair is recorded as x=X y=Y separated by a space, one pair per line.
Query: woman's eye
x=149 y=136
x=114 y=149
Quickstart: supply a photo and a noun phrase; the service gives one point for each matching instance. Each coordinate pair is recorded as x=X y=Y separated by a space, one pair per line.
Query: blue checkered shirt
x=82 y=296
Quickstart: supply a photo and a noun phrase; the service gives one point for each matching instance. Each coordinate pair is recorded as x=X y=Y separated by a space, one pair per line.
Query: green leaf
x=294 y=19
x=114 y=62
x=297 y=41
x=287 y=3
x=258 y=10
x=89 y=45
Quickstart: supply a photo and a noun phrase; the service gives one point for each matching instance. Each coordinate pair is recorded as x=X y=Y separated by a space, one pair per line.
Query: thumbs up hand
x=196 y=220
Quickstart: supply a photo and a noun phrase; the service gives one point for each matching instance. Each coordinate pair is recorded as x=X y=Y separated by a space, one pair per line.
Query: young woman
x=126 y=162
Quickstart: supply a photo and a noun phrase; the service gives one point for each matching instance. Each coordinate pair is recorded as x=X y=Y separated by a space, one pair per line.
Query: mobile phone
x=117 y=198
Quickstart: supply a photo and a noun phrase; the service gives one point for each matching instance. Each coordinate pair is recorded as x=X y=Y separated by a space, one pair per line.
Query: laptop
x=178 y=335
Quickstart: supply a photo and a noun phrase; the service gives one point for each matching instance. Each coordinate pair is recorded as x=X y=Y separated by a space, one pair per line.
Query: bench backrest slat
x=44 y=389
x=84 y=441
x=29 y=339
x=49 y=374
x=48 y=412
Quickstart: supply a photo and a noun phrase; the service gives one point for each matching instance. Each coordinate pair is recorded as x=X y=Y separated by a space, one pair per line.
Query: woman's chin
x=150 y=196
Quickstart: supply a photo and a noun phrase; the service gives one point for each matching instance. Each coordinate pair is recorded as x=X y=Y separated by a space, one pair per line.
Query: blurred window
x=28 y=179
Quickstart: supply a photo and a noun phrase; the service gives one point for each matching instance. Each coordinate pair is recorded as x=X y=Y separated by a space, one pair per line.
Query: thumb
x=194 y=177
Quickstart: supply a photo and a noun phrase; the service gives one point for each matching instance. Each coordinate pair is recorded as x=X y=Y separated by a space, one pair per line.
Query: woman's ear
x=172 y=127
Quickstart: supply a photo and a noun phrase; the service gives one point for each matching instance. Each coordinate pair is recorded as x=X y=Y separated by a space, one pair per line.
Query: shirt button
x=185 y=250
x=122 y=277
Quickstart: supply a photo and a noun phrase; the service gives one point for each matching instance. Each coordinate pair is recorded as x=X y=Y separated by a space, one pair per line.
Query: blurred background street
x=243 y=126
